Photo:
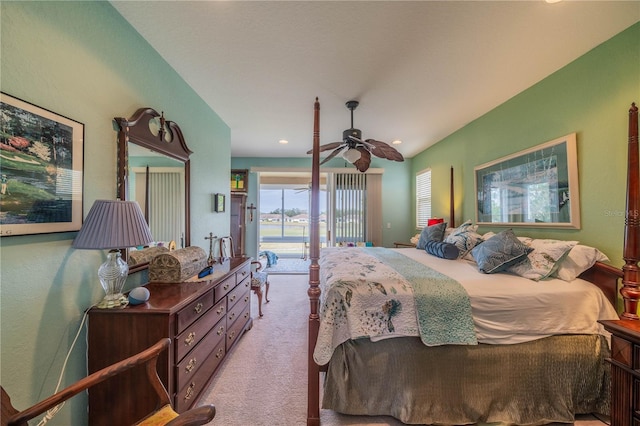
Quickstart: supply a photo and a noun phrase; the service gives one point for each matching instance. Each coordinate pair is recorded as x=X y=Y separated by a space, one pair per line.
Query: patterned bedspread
x=378 y=293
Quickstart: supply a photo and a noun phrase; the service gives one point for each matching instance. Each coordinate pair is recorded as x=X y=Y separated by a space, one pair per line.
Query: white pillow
x=579 y=259
x=545 y=258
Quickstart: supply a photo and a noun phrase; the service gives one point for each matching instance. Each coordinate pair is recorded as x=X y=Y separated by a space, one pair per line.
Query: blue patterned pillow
x=442 y=249
x=464 y=237
x=431 y=233
x=500 y=252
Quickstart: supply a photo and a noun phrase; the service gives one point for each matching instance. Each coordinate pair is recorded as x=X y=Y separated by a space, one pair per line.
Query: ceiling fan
x=357 y=151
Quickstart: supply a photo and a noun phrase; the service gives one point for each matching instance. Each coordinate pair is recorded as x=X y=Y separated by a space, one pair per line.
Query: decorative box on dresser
x=203 y=319
x=625 y=371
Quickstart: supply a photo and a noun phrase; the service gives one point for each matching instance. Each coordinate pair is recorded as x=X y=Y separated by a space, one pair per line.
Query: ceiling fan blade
x=384 y=150
x=360 y=141
x=328 y=146
x=333 y=154
x=362 y=164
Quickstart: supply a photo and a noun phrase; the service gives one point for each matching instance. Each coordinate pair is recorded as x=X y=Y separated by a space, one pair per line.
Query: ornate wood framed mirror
x=154 y=170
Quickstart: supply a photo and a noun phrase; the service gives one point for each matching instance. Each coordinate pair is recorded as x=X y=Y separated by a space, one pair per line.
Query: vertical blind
x=350 y=215
x=423 y=198
x=166 y=206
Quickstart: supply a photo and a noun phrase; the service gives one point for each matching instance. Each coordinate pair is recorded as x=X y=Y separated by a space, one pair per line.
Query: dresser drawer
x=244 y=272
x=235 y=329
x=190 y=337
x=194 y=311
x=199 y=358
x=236 y=294
x=190 y=392
x=236 y=311
x=224 y=288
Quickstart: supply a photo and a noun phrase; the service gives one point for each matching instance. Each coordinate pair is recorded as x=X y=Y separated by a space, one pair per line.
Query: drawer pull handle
x=190 y=339
x=226 y=287
x=232 y=298
x=246 y=315
x=221 y=331
x=232 y=335
x=189 y=392
x=220 y=310
x=244 y=273
x=220 y=353
x=191 y=365
x=232 y=316
x=246 y=299
x=198 y=308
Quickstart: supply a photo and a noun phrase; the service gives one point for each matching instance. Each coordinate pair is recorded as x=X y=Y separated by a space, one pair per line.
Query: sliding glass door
x=285 y=220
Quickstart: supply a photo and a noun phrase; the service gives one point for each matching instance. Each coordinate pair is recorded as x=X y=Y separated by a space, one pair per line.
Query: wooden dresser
x=203 y=319
x=625 y=372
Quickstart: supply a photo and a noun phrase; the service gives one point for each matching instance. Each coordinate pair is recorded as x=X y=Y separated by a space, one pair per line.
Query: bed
x=383 y=350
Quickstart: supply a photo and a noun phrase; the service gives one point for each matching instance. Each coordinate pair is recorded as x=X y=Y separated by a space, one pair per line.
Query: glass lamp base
x=113 y=301
x=113 y=274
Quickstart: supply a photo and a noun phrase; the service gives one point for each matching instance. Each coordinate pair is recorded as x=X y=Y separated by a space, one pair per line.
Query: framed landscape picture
x=537 y=187
x=41 y=163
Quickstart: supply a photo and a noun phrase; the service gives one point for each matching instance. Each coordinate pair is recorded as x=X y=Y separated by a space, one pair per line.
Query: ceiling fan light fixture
x=351 y=155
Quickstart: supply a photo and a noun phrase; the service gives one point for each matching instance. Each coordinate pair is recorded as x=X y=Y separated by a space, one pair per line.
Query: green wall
x=84 y=61
x=396 y=178
x=591 y=96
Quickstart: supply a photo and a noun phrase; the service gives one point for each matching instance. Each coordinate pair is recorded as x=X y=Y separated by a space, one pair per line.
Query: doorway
x=284 y=202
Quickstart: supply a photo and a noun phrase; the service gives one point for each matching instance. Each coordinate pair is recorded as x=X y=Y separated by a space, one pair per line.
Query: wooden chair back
x=10 y=416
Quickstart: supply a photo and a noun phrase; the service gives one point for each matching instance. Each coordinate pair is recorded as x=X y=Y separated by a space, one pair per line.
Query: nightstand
x=625 y=371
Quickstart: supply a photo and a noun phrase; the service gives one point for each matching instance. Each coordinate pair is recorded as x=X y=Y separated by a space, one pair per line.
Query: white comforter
x=510 y=309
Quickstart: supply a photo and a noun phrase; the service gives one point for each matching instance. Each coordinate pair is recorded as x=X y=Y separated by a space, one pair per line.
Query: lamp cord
x=53 y=411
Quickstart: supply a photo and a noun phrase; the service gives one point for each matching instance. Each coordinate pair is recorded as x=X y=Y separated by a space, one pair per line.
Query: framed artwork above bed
x=537 y=187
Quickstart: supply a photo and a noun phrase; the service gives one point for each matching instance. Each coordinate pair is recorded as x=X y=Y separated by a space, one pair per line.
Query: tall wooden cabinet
x=237 y=219
x=204 y=320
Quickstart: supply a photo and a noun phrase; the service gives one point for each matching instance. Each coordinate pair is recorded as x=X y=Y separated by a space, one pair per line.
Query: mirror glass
x=157 y=183
x=153 y=169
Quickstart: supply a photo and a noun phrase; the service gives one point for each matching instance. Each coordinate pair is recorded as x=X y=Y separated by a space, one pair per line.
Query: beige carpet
x=264 y=380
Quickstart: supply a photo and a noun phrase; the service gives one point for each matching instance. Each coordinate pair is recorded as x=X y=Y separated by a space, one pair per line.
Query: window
x=423 y=198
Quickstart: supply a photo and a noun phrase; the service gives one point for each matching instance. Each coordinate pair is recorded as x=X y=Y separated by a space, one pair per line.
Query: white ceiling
x=420 y=69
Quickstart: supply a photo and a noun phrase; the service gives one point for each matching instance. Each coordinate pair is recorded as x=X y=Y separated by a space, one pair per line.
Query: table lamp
x=113 y=225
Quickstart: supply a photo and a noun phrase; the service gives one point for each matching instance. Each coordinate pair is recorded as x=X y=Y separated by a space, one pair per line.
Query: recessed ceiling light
x=396 y=142
x=283 y=141
x=553 y=1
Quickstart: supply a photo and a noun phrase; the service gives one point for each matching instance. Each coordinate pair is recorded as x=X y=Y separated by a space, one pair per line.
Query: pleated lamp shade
x=113 y=225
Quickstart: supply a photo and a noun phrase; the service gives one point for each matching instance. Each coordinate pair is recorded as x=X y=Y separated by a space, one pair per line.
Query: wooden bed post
x=631 y=273
x=313 y=397
x=452 y=207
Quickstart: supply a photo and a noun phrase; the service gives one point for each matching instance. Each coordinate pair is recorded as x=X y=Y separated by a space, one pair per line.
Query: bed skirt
x=533 y=383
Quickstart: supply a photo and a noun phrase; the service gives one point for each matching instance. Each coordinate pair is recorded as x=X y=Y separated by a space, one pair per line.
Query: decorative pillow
x=442 y=249
x=434 y=221
x=467 y=226
x=464 y=237
x=431 y=233
x=499 y=252
x=579 y=259
x=545 y=258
